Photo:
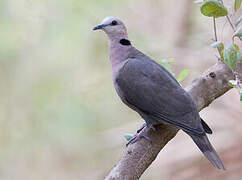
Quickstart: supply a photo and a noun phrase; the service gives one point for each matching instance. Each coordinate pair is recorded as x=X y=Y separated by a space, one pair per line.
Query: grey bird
x=151 y=91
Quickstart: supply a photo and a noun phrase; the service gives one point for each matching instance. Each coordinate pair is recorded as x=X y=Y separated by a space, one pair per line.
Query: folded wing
x=154 y=91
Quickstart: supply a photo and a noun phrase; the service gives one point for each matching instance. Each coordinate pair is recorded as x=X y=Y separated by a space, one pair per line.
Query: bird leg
x=142 y=132
x=144 y=125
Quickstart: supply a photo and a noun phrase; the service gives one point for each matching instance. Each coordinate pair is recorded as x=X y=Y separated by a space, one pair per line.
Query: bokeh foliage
x=60 y=117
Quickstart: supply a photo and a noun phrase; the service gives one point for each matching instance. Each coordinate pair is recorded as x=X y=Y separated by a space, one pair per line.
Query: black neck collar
x=125 y=42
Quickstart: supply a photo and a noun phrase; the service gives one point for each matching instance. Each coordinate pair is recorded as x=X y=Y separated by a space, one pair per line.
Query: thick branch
x=137 y=157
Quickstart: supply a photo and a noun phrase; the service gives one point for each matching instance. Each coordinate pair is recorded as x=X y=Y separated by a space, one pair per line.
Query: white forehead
x=108 y=20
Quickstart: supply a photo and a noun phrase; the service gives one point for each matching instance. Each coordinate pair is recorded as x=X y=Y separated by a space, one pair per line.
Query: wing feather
x=150 y=88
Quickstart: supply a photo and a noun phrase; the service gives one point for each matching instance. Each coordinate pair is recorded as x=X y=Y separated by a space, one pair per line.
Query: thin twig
x=231 y=24
x=239 y=20
x=215 y=35
x=215 y=30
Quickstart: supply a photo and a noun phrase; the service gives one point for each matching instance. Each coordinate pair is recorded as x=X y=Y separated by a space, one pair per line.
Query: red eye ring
x=114 y=23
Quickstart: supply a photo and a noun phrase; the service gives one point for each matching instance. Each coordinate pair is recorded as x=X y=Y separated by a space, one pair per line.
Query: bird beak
x=101 y=26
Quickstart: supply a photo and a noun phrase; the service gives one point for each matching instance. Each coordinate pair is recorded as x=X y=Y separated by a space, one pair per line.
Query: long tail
x=207 y=149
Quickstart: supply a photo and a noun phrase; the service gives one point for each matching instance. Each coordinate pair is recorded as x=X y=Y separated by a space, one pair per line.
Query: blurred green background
x=60 y=117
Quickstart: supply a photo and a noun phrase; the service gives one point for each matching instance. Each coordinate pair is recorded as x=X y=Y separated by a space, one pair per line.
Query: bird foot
x=144 y=125
x=142 y=132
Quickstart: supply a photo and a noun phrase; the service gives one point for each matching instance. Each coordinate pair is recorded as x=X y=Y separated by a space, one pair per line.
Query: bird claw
x=142 y=127
x=142 y=132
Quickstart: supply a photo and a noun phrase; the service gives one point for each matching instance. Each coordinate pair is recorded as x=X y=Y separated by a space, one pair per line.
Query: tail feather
x=206 y=127
x=207 y=149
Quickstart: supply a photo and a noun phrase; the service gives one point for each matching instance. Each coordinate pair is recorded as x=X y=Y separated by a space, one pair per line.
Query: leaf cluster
x=230 y=54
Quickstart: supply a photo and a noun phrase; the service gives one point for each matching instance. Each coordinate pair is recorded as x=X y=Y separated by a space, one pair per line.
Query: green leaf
x=183 y=75
x=166 y=63
x=233 y=83
x=230 y=56
x=220 y=47
x=237 y=4
x=238 y=33
x=240 y=94
x=239 y=55
x=128 y=136
x=213 y=8
x=236 y=47
x=218 y=44
x=171 y=60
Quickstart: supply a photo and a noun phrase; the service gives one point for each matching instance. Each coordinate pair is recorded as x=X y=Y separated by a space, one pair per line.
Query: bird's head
x=113 y=27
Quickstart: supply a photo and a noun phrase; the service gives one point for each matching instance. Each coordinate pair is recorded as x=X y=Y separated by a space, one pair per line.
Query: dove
x=149 y=89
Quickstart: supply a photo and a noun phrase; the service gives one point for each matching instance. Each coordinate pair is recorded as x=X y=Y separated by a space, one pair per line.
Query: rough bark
x=137 y=157
x=238 y=70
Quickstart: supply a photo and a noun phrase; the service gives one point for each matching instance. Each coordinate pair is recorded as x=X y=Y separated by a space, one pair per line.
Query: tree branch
x=138 y=157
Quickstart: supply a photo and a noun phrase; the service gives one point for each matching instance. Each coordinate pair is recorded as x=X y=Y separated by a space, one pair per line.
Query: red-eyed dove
x=150 y=90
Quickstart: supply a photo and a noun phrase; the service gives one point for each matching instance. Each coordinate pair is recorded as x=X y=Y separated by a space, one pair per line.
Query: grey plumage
x=207 y=149
x=206 y=127
x=149 y=89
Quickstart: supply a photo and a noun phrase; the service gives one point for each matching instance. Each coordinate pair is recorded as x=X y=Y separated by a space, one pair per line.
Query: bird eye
x=114 y=23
